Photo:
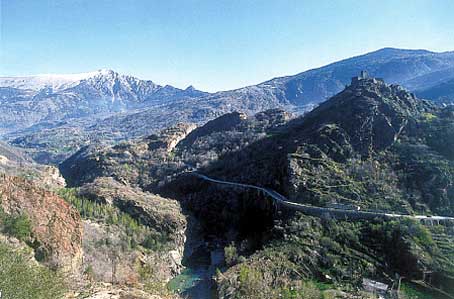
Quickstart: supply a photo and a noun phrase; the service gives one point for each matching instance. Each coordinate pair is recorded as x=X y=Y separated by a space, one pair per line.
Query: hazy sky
x=211 y=44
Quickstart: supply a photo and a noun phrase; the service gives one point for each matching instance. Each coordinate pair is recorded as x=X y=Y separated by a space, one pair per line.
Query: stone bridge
x=281 y=201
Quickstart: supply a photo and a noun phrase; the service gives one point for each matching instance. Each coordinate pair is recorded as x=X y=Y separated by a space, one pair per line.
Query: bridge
x=281 y=201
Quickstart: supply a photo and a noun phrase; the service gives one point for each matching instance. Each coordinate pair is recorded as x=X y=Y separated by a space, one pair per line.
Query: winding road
x=282 y=201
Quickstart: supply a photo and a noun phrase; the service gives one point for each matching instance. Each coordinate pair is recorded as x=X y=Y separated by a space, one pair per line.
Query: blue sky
x=211 y=44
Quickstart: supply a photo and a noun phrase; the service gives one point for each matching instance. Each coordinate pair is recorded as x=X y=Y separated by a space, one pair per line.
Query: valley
x=320 y=185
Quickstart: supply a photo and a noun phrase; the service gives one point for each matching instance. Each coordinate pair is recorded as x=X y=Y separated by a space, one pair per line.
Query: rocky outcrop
x=56 y=226
x=116 y=259
x=149 y=162
x=109 y=258
x=373 y=113
x=151 y=210
x=109 y=291
x=167 y=139
x=138 y=163
x=225 y=122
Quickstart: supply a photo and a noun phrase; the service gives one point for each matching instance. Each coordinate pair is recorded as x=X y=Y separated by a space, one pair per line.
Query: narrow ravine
x=196 y=281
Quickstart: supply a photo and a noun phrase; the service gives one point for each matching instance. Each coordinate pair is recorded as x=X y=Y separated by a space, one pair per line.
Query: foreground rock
x=56 y=226
x=109 y=291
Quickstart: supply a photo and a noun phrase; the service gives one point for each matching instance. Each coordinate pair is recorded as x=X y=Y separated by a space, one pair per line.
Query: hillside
x=442 y=92
x=409 y=68
x=374 y=146
x=148 y=162
x=102 y=239
x=370 y=129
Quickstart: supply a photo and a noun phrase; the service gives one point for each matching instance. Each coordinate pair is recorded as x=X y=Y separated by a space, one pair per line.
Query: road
x=281 y=200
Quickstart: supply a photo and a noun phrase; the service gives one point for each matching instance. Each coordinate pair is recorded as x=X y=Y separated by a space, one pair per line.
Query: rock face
x=117 y=259
x=167 y=139
x=151 y=210
x=56 y=226
x=109 y=261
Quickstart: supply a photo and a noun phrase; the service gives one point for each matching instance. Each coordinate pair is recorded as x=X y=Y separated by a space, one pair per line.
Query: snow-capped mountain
x=55 y=82
x=27 y=101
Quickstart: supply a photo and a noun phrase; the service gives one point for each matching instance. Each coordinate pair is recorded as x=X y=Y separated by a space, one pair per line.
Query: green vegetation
x=155 y=241
x=408 y=292
x=21 y=280
x=428 y=116
x=17 y=226
x=413 y=291
x=253 y=284
x=136 y=232
x=307 y=290
x=89 y=209
x=307 y=249
x=230 y=254
x=151 y=283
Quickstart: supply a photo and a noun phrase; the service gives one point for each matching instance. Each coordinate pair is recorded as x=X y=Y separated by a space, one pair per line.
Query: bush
x=231 y=255
x=155 y=242
x=308 y=290
x=150 y=242
x=21 y=280
x=407 y=291
x=17 y=226
x=252 y=284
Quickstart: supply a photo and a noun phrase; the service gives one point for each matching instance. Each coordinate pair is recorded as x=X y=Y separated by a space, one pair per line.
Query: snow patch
x=55 y=81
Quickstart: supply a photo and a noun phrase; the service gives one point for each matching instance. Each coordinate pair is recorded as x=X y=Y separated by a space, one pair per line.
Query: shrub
x=21 y=280
x=231 y=255
x=409 y=292
x=308 y=290
x=89 y=272
x=155 y=242
x=17 y=226
x=252 y=284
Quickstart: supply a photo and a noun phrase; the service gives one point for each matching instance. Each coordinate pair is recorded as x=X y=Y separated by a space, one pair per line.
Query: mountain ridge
x=116 y=107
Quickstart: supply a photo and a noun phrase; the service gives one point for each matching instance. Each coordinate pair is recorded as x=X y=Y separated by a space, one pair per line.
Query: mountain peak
x=54 y=81
x=104 y=72
x=372 y=112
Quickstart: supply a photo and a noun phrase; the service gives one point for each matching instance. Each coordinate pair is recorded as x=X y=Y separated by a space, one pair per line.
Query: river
x=196 y=281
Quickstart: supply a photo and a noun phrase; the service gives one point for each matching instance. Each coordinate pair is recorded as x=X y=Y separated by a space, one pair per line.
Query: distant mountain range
x=27 y=101
x=38 y=112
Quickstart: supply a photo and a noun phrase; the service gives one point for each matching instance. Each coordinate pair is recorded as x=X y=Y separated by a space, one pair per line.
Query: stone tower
x=363 y=75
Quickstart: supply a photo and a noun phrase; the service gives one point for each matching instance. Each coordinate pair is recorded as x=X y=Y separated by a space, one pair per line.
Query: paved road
x=281 y=200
